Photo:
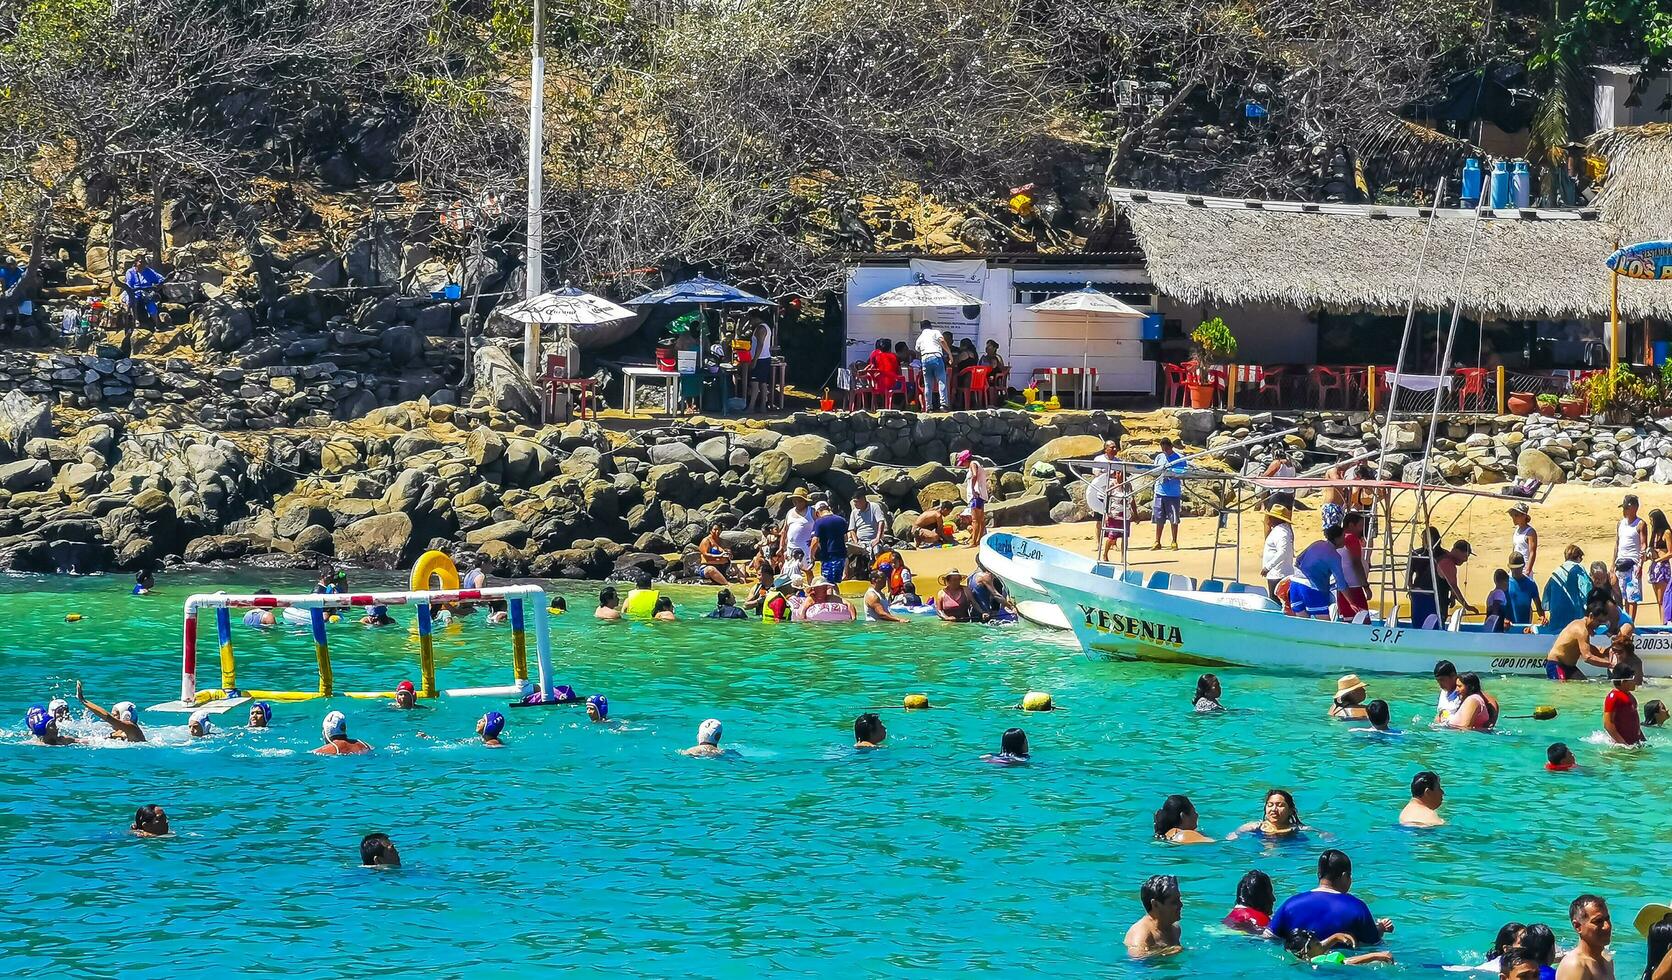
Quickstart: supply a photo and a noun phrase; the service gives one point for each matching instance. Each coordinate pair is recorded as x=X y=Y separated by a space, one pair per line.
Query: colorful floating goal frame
x=518 y=599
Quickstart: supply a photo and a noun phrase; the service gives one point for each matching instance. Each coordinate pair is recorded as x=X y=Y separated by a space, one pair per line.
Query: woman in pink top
x=1255 y=901
x=1479 y=710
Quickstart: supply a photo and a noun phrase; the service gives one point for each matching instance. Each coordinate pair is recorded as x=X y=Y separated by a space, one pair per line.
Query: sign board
x=968 y=275
x=1647 y=260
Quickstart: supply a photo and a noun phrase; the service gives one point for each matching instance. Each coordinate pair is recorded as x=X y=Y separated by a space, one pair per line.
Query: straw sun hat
x=1348 y=685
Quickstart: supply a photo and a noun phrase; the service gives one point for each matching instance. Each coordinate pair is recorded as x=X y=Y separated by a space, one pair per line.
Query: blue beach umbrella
x=702 y=292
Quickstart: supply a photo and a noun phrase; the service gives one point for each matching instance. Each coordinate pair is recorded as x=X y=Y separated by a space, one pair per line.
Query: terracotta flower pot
x=1547 y=410
x=1573 y=408
x=1521 y=403
x=1201 y=396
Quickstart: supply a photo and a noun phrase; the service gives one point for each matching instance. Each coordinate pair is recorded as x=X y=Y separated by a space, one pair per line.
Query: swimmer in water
x=44 y=727
x=498 y=613
x=1013 y=749
x=378 y=851
x=1379 y=715
x=1559 y=758
x=123 y=717
x=144 y=582
x=406 y=697
x=559 y=606
x=198 y=726
x=664 y=609
x=1255 y=901
x=1176 y=822
x=609 y=604
x=708 y=741
x=60 y=709
x=598 y=708
x=1654 y=713
x=1157 y=933
x=259 y=618
x=489 y=726
x=1426 y=797
x=1348 y=704
x=337 y=742
x=260 y=714
x=377 y=616
x=868 y=731
x=150 y=821
x=1207 y=694
x=1281 y=818
x=1323 y=952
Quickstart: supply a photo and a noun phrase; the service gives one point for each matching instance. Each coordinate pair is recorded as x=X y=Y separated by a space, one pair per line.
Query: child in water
x=1378 y=714
x=1559 y=758
x=144 y=582
x=1013 y=749
x=1310 y=949
x=1207 y=694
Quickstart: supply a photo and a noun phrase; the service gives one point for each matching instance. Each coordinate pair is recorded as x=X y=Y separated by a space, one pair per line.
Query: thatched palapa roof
x=1518 y=264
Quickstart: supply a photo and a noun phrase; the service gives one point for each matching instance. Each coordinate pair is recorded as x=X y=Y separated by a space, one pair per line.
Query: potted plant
x=1572 y=406
x=1521 y=403
x=1548 y=405
x=1214 y=345
x=1616 y=397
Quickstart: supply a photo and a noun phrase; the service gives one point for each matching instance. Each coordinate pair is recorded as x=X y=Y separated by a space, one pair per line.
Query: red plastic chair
x=1327 y=381
x=864 y=387
x=1270 y=386
x=1178 y=375
x=972 y=385
x=1473 y=382
x=998 y=385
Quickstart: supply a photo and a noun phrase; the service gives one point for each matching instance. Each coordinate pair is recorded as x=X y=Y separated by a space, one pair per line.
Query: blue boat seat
x=1431 y=623
x=1211 y=585
x=1243 y=588
x=1132 y=576
x=1107 y=571
x=1158 y=580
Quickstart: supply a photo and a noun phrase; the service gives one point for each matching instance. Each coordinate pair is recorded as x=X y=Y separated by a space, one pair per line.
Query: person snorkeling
x=489 y=726
x=123 y=717
x=43 y=727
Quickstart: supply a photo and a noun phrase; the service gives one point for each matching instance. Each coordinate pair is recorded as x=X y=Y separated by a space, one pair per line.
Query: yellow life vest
x=641 y=603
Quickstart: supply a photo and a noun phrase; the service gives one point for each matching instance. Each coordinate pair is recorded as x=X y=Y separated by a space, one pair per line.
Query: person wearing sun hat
x=953 y=603
x=1348 y=703
x=798 y=527
x=1277 y=561
x=1523 y=538
x=822 y=603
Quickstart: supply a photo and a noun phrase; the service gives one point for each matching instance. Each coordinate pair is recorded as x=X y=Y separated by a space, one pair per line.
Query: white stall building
x=1008 y=285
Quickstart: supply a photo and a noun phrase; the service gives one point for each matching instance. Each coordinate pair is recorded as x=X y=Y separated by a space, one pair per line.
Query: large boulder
x=379 y=541
x=222 y=325
x=401 y=345
x=1064 y=447
x=1537 y=464
x=939 y=490
x=512 y=532
x=770 y=470
x=23 y=418
x=680 y=453
x=297 y=514
x=501 y=381
x=25 y=474
x=485 y=446
x=1032 y=508
x=810 y=455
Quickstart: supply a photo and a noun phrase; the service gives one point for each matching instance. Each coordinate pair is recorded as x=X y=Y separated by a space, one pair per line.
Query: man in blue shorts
x=1169 y=492
x=1329 y=909
x=1317 y=574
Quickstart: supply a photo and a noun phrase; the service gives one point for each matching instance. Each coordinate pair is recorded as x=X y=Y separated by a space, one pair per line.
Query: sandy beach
x=1586 y=516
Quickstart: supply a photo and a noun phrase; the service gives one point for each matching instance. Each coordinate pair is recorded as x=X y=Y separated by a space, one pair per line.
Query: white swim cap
x=336 y=725
x=708 y=733
x=56 y=704
x=201 y=719
x=126 y=711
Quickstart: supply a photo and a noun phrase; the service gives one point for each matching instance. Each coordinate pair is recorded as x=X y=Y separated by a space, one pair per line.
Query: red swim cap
x=405 y=686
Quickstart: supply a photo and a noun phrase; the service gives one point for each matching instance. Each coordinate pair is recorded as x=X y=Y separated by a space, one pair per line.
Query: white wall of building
x=1612 y=90
x=1027 y=340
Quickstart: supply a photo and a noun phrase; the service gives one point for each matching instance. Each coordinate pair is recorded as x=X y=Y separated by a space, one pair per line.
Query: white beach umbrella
x=921 y=292
x=1091 y=302
x=566 y=305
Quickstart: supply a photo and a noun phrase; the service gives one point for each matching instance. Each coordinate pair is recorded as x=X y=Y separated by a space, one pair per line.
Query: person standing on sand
x=1589 y=959
x=1277 y=560
x=978 y=492
x=1631 y=544
x=1158 y=932
x=1423 y=810
x=1523 y=537
x=1169 y=492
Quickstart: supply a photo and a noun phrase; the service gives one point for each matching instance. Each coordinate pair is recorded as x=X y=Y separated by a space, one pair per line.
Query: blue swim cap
x=380 y=610
x=601 y=703
x=492 y=724
x=38 y=719
x=265 y=709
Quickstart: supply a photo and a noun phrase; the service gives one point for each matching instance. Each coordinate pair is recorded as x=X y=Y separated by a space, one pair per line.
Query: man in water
x=868 y=731
x=144 y=582
x=44 y=727
x=708 y=741
x=406 y=697
x=609 y=605
x=1619 y=709
x=260 y=714
x=150 y=821
x=597 y=708
x=378 y=851
x=1158 y=932
x=1445 y=675
x=1573 y=644
x=198 y=726
x=489 y=726
x=1589 y=959
x=59 y=709
x=1330 y=908
x=1424 y=808
x=725 y=607
x=123 y=717
x=1518 y=964
x=337 y=742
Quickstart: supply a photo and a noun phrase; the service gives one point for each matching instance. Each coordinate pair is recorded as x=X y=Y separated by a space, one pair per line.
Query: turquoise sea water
x=600 y=848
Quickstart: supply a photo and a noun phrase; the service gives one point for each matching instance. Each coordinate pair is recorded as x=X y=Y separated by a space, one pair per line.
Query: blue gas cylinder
x=1521 y=184
x=1471 y=183
x=1500 y=185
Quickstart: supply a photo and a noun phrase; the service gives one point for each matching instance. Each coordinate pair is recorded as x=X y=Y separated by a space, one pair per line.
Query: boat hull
x=1115 y=619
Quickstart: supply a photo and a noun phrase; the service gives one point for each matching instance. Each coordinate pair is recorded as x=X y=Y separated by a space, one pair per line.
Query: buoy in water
x=72 y=617
x=916 y=702
x=1544 y=712
x=1036 y=701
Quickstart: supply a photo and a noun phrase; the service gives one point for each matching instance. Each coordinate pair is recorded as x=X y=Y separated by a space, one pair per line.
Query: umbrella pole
x=1085 y=369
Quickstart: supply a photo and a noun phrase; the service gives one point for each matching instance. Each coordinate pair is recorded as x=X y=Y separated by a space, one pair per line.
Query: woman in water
x=609 y=604
x=1479 y=710
x=868 y=731
x=876 y=599
x=664 y=609
x=1659 y=963
x=716 y=558
x=1348 y=704
x=597 y=708
x=1176 y=822
x=150 y=821
x=1013 y=749
x=123 y=717
x=1281 y=818
x=144 y=582
x=1508 y=938
x=1207 y=694
x=1255 y=901
x=953 y=603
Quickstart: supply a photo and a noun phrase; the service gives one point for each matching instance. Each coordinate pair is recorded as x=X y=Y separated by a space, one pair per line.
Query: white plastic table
x=631 y=377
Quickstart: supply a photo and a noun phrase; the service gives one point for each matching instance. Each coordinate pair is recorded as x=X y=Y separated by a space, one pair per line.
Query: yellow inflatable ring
x=436 y=565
